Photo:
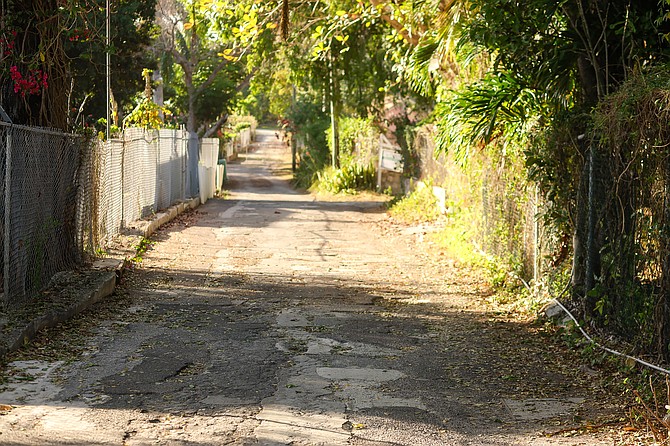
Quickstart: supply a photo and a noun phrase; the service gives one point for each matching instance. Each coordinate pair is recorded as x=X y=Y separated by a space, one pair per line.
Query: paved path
x=270 y=318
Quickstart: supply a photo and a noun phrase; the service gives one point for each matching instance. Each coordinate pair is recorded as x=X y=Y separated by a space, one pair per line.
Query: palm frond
x=484 y=111
x=418 y=71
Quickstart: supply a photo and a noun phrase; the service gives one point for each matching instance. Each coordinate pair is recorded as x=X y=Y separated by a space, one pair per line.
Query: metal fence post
x=7 y=223
x=184 y=163
x=123 y=179
x=591 y=251
x=158 y=193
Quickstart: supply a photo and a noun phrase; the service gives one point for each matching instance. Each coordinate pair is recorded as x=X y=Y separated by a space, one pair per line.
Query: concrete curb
x=101 y=279
x=148 y=227
x=103 y=286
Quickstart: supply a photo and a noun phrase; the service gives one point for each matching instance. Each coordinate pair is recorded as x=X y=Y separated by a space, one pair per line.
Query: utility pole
x=334 y=112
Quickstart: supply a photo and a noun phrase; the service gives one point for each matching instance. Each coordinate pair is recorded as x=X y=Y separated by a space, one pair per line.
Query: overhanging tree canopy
x=52 y=57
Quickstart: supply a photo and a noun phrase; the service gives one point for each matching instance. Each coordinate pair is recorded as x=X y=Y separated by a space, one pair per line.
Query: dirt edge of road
x=70 y=293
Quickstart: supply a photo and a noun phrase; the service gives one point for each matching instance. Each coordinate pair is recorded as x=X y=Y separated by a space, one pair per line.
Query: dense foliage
x=550 y=65
x=563 y=97
x=567 y=99
x=632 y=174
x=52 y=58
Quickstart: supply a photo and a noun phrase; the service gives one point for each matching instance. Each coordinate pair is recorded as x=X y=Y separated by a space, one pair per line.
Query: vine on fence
x=632 y=292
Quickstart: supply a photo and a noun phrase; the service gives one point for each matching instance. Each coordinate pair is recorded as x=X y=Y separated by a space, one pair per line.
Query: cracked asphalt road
x=272 y=318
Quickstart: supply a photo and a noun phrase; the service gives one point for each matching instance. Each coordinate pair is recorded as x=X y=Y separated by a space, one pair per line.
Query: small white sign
x=390 y=160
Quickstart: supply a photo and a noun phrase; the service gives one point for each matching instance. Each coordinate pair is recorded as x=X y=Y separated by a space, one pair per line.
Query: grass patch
x=418 y=207
x=457 y=237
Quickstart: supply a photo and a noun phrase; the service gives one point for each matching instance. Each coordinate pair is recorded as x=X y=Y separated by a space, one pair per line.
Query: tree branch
x=246 y=81
x=216 y=126
x=211 y=78
x=222 y=120
x=385 y=12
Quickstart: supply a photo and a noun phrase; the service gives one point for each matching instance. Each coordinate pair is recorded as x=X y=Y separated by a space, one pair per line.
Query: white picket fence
x=145 y=172
x=210 y=172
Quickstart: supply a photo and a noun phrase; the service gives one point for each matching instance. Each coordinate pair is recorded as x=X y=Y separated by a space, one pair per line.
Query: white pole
x=107 y=69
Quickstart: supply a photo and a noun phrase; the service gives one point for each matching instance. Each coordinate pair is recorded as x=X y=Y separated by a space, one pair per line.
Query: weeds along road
x=271 y=318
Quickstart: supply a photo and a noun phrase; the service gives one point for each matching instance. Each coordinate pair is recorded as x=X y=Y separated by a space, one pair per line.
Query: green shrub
x=241 y=126
x=239 y=122
x=351 y=177
x=308 y=123
x=311 y=163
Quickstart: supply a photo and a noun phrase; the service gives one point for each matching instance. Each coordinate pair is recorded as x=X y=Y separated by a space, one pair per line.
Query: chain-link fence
x=139 y=174
x=46 y=206
x=64 y=196
x=502 y=205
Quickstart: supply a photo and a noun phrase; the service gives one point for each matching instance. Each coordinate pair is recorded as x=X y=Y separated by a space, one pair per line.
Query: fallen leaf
x=5 y=407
